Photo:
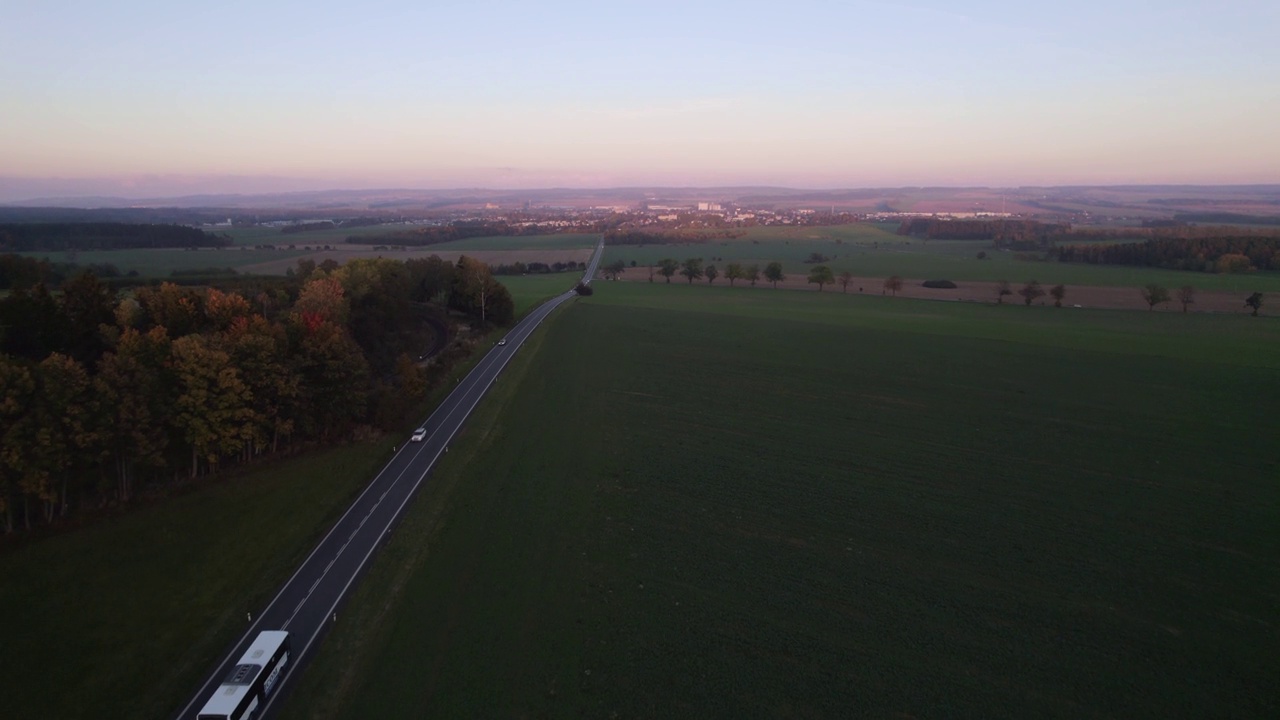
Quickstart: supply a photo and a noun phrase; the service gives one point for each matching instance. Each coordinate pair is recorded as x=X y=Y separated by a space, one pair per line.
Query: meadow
x=695 y=502
x=528 y=291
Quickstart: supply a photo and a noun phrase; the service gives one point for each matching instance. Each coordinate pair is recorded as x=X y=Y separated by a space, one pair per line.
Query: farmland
x=528 y=291
x=695 y=502
x=875 y=251
x=121 y=619
x=281 y=252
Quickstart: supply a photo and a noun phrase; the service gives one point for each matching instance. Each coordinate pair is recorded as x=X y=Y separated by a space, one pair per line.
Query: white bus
x=252 y=679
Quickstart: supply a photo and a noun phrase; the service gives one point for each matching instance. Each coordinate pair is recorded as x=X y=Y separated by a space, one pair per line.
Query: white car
x=418 y=435
x=503 y=341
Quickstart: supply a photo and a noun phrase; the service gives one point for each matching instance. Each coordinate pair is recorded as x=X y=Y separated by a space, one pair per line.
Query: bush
x=940 y=284
x=583 y=289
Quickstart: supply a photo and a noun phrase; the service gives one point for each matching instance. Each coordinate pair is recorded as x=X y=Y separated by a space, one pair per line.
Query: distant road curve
x=307 y=603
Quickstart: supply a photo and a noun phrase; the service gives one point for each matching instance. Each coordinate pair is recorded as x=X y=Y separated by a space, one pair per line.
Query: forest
x=61 y=236
x=1201 y=254
x=107 y=396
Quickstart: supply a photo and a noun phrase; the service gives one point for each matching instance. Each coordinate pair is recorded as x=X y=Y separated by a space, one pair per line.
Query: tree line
x=1221 y=254
x=62 y=236
x=537 y=268
x=104 y=396
x=466 y=229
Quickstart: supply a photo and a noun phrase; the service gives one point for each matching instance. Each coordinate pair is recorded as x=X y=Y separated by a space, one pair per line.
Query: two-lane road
x=307 y=603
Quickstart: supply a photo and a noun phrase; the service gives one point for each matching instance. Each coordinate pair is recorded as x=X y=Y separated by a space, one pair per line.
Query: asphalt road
x=307 y=605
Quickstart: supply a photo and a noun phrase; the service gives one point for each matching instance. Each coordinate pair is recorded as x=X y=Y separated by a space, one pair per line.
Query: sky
x=160 y=97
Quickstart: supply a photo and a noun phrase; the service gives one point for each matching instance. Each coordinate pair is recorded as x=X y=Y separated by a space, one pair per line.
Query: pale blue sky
x=504 y=94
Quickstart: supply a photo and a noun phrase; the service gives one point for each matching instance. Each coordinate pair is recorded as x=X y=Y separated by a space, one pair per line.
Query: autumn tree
x=753 y=273
x=1234 y=263
x=1254 y=301
x=382 y=319
x=430 y=279
x=1031 y=292
x=260 y=351
x=893 y=284
x=1002 y=289
x=1057 y=292
x=668 y=267
x=1186 y=296
x=222 y=309
x=332 y=379
x=845 y=278
x=87 y=304
x=322 y=298
x=691 y=269
x=61 y=415
x=1154 y=295
x=17 y=394
x=212 y=407
x=33 y=325
x=773 y=273
x=179 y=310
x=477 y=293
x=734 y=271
x=136 y=394
x=821 y=274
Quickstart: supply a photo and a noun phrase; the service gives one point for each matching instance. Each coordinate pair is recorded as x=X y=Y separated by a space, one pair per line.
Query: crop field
x=528 y=291
x=691 y=502
x=875 y=251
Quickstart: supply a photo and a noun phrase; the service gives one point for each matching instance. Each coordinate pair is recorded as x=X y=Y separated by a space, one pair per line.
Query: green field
x=875 y=251
x=691 y=502
x=123 y=618
x=528 y=291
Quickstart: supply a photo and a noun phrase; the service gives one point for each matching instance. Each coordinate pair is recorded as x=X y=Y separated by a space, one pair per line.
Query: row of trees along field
x=694 y=269
x=104 y=397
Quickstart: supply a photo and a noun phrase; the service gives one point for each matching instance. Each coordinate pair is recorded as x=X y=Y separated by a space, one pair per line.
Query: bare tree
x=1186 y=296
x=1057 y=292
x=1002 y=289
x=893 y=284
x=1031 y=292
x=845 y=278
